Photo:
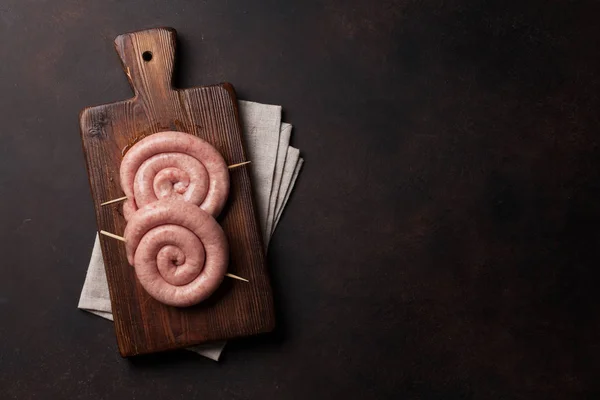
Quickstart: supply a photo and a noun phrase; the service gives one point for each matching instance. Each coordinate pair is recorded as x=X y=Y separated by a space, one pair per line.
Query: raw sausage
x=174 y=165
x=180 y=253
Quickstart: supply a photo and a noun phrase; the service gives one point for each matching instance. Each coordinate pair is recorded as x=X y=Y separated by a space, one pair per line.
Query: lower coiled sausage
x=179 y=252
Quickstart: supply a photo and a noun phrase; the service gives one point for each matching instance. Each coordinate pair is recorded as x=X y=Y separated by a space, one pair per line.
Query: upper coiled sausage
x=174 y=165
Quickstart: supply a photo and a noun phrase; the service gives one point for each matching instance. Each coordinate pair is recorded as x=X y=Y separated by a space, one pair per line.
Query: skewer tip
x=237 y=277
x=113 y=201
x=112 y=235
x=239 y=164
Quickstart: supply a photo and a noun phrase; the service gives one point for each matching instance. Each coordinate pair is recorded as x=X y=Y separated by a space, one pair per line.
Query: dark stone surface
x=442 y=242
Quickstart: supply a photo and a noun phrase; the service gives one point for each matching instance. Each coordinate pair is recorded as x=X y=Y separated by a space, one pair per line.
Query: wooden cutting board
x=142 y=324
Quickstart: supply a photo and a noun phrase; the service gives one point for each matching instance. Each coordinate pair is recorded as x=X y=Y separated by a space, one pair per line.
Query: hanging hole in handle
x=147 y=56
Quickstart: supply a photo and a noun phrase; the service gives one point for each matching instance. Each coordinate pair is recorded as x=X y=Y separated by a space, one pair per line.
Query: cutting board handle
x=148 y=57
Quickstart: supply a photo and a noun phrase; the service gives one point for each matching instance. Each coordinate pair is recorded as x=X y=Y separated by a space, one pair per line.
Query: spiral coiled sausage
x=174 y=165
x=179 y=252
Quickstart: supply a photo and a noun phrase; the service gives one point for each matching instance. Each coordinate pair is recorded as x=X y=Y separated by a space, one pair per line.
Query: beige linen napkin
x=291 y=169
x=274 y=168
x=284 y=140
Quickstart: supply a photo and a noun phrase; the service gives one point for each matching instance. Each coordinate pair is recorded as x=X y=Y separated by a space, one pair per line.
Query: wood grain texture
x=142 y=324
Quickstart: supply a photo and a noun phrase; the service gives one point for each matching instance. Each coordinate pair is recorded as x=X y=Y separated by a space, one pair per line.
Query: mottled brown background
x=442 y=242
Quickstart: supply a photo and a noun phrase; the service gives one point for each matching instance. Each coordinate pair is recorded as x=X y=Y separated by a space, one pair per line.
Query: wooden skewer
x=122 y=239
x=239 y=165
x=125 y=197
x=112 y=235
x=237 y=277
x=114 y=201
